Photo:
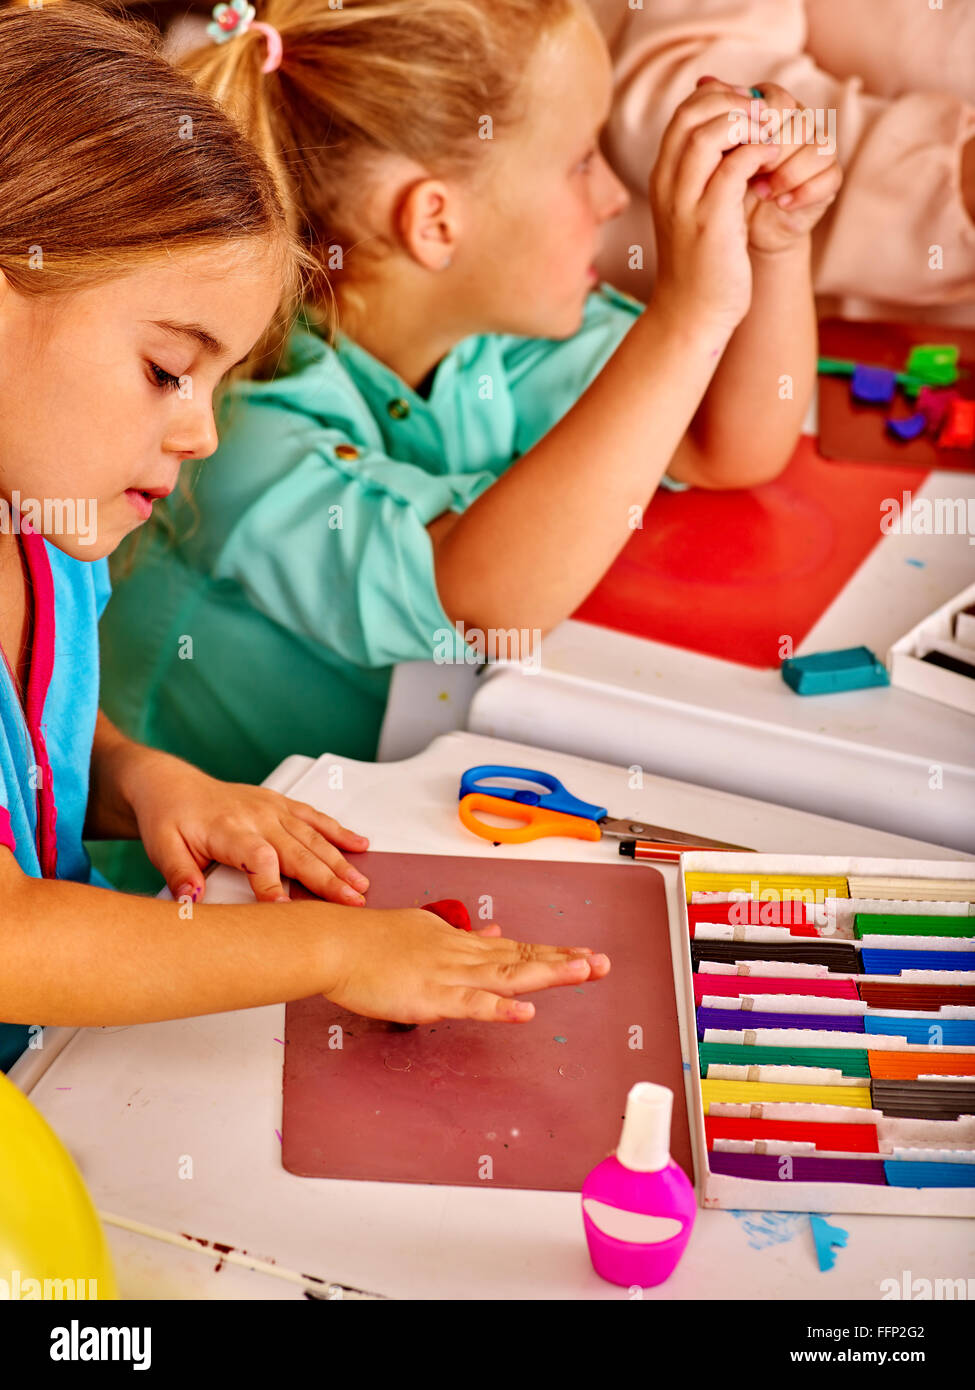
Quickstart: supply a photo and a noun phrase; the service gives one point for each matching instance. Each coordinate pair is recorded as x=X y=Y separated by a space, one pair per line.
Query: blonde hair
x=365 y=79
x=112 y=157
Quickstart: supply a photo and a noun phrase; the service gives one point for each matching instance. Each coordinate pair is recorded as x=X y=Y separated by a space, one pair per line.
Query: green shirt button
x=399 y=409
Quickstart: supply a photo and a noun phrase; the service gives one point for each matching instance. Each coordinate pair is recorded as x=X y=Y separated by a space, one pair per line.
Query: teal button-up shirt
x=302 y=569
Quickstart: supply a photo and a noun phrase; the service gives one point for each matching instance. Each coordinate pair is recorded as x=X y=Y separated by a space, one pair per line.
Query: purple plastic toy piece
x=875 y=385
x=908 y=428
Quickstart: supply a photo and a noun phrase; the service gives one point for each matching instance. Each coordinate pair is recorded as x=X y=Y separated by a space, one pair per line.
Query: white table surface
x=868 y=756
x=133 y=1104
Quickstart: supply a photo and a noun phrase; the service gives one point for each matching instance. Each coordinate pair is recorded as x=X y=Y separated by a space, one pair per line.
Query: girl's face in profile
x=106 y=391
x=535 y=222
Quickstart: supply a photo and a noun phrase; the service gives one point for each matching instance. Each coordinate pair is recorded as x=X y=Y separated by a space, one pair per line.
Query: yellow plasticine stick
x=774 y=887
x=752 y=1092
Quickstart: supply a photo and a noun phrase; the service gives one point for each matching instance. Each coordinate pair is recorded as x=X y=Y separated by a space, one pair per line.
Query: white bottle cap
x=645 y=1141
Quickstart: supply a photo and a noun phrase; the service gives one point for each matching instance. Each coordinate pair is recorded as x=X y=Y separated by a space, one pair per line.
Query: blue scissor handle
x=557 y=798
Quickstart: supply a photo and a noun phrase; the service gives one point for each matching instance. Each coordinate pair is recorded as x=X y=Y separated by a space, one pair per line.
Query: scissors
x=554 y=811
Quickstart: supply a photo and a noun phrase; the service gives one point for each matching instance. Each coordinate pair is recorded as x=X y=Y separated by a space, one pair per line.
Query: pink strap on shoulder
x=41 y=669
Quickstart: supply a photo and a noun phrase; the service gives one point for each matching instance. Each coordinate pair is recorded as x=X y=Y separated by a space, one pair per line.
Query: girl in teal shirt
x=459 y=463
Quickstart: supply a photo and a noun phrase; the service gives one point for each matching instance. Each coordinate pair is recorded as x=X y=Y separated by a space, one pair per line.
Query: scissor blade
x=641 y=830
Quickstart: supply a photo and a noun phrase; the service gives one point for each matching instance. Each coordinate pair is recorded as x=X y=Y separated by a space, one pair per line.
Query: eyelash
x=164 y=380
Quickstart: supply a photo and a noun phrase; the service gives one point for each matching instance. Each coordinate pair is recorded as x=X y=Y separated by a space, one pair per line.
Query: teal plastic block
x=854 y=668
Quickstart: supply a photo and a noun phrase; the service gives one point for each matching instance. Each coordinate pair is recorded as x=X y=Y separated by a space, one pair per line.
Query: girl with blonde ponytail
x=467 y=423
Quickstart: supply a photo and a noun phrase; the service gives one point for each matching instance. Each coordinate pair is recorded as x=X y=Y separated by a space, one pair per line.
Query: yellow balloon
x=50 y=1235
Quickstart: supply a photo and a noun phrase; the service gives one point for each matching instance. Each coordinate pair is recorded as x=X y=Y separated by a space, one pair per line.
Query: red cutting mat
x=729 y=574
x=543 y=1101
x=850 y=430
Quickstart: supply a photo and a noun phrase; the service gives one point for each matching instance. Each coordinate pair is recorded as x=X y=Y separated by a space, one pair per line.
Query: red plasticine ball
x=452 y=910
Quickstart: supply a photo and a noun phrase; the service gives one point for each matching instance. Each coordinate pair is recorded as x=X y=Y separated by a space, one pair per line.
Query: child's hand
x=798 y=180
x=186 y=818
x=408 y=966
x=697 y=193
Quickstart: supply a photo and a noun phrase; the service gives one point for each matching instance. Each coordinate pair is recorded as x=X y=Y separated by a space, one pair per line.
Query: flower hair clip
x=236 y=18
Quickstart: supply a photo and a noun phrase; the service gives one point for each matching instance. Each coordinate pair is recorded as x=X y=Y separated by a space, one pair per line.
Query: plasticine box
x=723 y=1191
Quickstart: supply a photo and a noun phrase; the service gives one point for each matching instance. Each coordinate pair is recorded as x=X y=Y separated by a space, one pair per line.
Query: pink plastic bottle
x=639 y=1206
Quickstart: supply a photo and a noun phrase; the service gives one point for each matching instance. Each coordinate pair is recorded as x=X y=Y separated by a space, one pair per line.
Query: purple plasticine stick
x=738 y=1019
x=771 y=1168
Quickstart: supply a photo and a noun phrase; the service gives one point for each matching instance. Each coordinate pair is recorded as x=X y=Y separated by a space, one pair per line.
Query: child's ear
x=428 y=223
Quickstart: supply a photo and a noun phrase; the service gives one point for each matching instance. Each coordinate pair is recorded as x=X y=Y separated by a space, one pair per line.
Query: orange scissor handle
x=536 y=822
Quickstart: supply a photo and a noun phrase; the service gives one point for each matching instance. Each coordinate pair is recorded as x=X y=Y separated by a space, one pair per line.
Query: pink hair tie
x=236 y=18
x=274 y=46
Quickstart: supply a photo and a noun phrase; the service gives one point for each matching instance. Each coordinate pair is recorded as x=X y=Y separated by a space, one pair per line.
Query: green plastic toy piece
x=912 y=386
x=835 y=366
x=825 y=673
x=936 y=364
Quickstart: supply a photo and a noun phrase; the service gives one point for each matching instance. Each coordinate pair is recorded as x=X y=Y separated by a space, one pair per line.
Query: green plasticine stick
x=851 y=1061
x=909 y=924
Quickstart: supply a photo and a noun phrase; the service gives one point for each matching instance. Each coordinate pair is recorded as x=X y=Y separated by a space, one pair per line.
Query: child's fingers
x=815 y=192
x=789 y=125
x=805 y=167
x=707 y=104
x=176 y=862
x=525 y=976
x=486 y=1007
x=508 y=952
x=328 y=826
x=514 y=953
x=495 y=1004
x=797 y=164
x=707 y=147
x=749 y=92
x=258 y=859
x=325 y=865
x=777 y=96
x=728 y=184
x=304 y=866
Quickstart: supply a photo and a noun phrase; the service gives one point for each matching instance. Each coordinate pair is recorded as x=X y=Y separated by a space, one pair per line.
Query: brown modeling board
x=543 y=1100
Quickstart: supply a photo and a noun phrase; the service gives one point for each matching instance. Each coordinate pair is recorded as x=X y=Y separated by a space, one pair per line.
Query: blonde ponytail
x=363 y=79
